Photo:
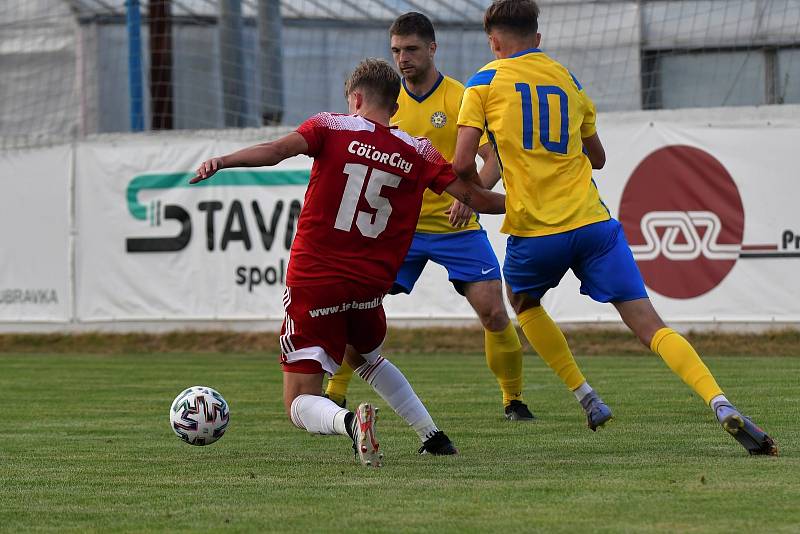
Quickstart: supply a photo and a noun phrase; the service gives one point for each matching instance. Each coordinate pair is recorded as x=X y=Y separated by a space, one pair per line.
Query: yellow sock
x=504 y=358
x=549 y=342
x=337 y=384
x=681 y=357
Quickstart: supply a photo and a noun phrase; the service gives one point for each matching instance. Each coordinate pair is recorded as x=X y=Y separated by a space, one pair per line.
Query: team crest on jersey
x=438 y=119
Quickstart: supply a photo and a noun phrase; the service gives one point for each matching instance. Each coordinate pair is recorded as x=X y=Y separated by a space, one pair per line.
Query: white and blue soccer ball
x=199 y=415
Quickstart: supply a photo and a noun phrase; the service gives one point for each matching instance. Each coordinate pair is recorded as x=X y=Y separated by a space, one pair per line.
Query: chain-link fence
x=71 y=68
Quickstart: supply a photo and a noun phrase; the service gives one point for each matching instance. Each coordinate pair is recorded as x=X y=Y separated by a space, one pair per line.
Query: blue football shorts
x=468 y=257
x=597 y=253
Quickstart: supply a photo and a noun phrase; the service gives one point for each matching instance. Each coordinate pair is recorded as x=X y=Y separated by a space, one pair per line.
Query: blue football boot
x=747 y=433
x=597 y=412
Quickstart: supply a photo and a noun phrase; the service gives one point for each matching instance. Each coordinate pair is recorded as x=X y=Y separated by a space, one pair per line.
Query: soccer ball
x=199 y=415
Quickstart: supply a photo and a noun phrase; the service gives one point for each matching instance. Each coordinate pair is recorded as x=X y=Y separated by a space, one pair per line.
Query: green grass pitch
x=87 y=446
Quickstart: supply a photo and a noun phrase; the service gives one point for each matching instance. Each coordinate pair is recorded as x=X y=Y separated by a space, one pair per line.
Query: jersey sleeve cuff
x=308 y=135
x=588 y=130
x=442 y=183
x=474 y=124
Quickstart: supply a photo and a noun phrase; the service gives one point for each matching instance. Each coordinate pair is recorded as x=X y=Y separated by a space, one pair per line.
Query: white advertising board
x=154 y=247
x=35 y=235
x=708 y=209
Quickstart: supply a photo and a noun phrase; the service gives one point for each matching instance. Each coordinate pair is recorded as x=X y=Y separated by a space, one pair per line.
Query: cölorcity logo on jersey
x=684 y=220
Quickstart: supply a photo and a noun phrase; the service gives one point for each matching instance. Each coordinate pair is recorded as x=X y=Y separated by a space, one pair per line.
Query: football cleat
x=365 y=443
x=438 y=445
x=597 y=412
x=518 y=411
x=747 y=433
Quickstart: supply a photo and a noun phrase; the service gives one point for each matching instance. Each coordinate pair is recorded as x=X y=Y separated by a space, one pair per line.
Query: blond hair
x=377 y=80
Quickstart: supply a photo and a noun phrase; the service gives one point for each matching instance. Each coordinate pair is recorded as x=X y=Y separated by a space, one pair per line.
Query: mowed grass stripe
x=88 y=447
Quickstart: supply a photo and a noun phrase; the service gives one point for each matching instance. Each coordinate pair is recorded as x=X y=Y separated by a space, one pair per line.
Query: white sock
x=719 y=399
x=582 y=390
x=392 y=386
x=318 y=415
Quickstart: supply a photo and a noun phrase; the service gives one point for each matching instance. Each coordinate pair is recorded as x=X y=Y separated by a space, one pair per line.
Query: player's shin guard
x=392 y=386
x=318 y=415
x=504 y=358
x=549 y=342
x=336 y=389
x=681 y=357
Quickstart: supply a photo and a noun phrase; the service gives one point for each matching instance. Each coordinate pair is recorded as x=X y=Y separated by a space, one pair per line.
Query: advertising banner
x=154 y=247
x=710 y=214
x=708 y=210
x=35 y=235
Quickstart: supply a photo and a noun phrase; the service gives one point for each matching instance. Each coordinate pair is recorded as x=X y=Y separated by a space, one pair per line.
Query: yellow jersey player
x=542 y=126
x=428 y=107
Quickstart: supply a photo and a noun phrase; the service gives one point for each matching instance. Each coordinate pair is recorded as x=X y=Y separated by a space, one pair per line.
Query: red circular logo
x=684 y=220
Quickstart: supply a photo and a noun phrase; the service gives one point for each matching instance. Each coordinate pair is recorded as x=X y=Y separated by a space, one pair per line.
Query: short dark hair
x=376 y=78
x=516 y=16
x=413 y=23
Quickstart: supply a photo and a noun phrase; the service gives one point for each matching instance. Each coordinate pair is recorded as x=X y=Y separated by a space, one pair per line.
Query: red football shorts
x=321 y=320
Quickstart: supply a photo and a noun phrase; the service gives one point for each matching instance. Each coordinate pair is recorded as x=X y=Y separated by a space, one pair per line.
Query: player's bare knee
x=641 y=317
x=646 y=328
x=494 y=319
x=643 y=337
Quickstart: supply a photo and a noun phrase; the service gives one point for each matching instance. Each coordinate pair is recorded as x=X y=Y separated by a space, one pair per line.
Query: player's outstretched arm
x=595 y=151
x=261 y=155
x=476 y=197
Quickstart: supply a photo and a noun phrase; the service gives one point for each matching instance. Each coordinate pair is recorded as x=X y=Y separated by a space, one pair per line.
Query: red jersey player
x=357 y=223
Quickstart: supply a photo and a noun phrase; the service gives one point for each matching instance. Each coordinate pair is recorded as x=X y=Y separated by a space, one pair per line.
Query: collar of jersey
x=390 y=127
x=426 y=95
x=524 y=52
